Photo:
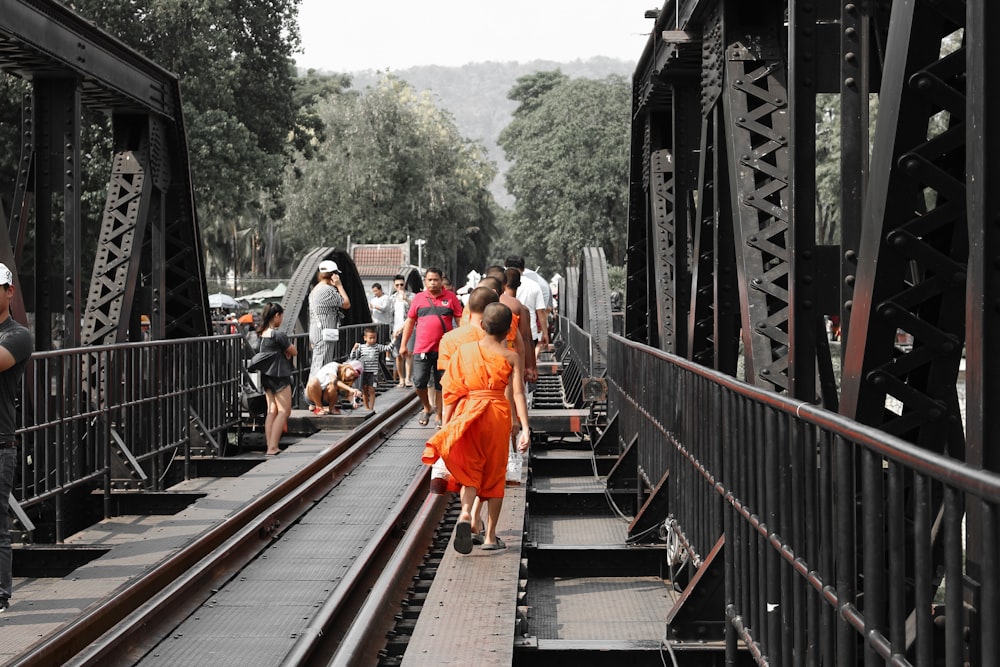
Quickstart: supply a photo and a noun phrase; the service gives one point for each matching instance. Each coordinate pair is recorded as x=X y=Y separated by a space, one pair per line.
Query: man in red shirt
x=436 y=311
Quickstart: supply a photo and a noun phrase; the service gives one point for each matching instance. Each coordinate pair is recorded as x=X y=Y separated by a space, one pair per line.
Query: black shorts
x=368 y=379
x=274 y=384
x=425 y=368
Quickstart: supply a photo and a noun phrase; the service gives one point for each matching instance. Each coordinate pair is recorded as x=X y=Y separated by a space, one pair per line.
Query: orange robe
x=474 y=443
x=464 y=321
x=454 y=339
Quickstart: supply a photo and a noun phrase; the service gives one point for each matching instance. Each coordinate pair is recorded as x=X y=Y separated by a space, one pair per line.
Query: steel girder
x=708 y=255
x=569 y=295
x=914 y=249
x=982 y=379
x=149 y=258
x=755 y=105
x=637 y=287
x=594 y=306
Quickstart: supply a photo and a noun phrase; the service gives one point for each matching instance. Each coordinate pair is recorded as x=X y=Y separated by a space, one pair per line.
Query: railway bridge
x=813 y=501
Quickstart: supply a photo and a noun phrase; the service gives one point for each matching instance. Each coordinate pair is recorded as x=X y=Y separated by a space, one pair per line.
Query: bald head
x=496 y=319
x=492 y=282
x=481 y=297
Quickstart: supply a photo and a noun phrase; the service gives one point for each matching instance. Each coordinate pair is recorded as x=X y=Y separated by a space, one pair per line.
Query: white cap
x=328 y=266
x=6 y=277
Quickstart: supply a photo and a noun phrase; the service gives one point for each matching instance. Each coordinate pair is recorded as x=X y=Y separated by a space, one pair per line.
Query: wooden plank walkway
x=470 y=611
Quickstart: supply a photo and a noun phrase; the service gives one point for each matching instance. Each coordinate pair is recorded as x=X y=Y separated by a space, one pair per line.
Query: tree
x=569 y=143
x=237 y=78
x=389 y=165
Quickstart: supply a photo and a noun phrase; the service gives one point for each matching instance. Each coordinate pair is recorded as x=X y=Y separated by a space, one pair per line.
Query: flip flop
x=496 y=546
x=424 y=418
x=478 y=538
x=463 y=537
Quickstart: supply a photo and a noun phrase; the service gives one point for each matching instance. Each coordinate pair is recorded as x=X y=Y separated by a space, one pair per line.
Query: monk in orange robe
x=475 y=440
x=472 y=330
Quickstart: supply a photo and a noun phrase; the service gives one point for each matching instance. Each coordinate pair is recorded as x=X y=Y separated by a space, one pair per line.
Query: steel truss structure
x=724 y=267
x=149 y=257
x=724 y=263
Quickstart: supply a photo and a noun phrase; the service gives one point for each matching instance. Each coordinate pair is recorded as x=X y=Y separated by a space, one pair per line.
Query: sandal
x=424 y=418
x=496 y=546
x=463 y=537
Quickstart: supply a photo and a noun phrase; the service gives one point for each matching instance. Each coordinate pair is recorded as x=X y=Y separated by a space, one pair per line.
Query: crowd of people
x=471 y=361
x=471 y=368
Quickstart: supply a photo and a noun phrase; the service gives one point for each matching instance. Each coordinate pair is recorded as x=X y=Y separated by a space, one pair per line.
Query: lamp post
x=420 y=253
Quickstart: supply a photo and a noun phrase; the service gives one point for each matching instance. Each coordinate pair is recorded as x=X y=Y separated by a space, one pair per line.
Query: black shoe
x=4 y=606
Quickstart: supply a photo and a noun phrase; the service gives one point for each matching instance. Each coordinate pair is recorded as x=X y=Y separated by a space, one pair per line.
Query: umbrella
x=220 y=300
x=246 y=318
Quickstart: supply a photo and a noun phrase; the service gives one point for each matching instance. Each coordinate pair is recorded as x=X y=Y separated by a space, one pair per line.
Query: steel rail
x=123 y=624
x=370 y=624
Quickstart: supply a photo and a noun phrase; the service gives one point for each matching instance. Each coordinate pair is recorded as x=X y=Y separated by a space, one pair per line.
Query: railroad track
x=353 y=620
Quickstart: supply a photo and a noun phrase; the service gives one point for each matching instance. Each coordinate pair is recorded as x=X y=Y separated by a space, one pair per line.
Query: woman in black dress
x=276 y=377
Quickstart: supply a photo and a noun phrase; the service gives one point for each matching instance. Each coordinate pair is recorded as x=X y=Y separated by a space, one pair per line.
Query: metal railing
x=842 y=544
x=576 y=355
x=117 y=415
x=122 y=416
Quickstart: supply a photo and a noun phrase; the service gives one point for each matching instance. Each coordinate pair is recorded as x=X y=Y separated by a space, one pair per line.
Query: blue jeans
x=8 y=461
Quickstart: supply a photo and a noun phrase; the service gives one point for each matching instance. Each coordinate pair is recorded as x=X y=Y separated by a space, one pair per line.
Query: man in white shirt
x=543 y=284
x=530 y=294
x=380 y=305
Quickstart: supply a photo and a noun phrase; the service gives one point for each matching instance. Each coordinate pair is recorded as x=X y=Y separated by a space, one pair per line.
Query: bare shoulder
x=510 y=355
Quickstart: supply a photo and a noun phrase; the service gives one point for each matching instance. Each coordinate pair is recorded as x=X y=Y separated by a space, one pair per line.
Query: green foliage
x=616 y=278
x=569 y=143
x=387 y=165
x=476 y=94
x=237 y=77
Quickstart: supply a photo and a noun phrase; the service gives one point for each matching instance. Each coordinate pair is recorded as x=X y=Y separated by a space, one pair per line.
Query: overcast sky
x=351 y=35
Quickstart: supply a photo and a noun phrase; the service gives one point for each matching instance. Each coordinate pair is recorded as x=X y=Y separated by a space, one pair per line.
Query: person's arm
x=543 y=325
x=343 y=386
x=407 y=332
x=520 y=403
x=335 y=279
x=290 y=349
x=530 y=363
x=7 y=359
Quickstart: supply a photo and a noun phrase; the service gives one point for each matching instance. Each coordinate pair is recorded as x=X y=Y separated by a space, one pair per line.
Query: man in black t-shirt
x=15 y=349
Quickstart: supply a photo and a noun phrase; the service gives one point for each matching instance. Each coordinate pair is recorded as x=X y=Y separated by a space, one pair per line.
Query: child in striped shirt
x=368 y=352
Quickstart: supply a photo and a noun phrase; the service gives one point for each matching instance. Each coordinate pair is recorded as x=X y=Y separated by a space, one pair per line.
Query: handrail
x=836 y=535
x=118 y=416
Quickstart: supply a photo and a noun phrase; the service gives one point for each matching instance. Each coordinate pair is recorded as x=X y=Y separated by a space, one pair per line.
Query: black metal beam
x=44 y=38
